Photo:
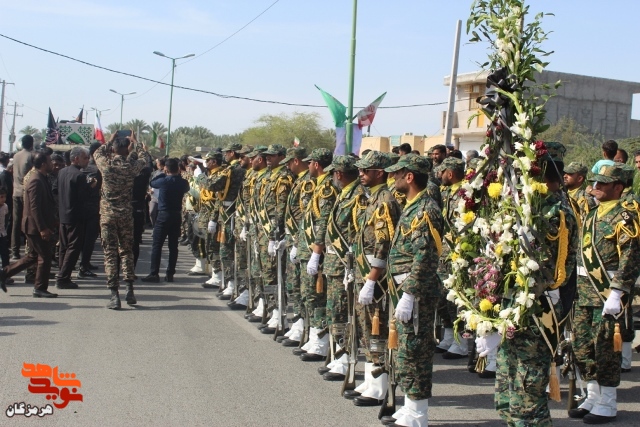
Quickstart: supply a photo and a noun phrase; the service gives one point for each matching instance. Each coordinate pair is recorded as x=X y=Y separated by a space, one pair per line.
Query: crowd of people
x=357 y=248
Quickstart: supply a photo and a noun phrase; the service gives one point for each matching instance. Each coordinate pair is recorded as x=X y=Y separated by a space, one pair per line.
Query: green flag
x=338 y=111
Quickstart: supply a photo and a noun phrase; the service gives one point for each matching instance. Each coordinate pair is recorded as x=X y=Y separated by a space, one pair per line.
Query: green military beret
x=322 y=155
x=412 y=162
x=374 y=160
x=275 y=150
x=294 y=153
x=342 y=164
x=576 y=167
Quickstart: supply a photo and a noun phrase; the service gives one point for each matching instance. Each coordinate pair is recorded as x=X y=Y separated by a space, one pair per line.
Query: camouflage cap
x=556 y=151
x=374 y=160
x=215 y=155
x=473 y=163
x=342 y=164
x=412 y=162
x=320 y=155
x=233 y=147
x=294 y=153
x=630 y=172
x=246 y=149
x=439 y=169
x=275 y=150
x=260 y=149
x=453 y=163
x=576 y=167
x=394 y=157
x=612 y=173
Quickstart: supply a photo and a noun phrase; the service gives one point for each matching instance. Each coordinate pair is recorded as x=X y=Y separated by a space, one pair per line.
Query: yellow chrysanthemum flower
x=468 y=217
x=473 y=324
x=540 y=187
x=486 y=305
x=497 y=308
x=495 y=190
x=454 y=256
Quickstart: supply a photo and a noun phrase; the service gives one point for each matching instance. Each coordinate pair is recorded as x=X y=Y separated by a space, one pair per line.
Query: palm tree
x=182 y=144
x=35 y=133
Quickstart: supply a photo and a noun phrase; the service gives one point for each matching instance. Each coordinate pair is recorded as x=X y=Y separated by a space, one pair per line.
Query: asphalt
x=182 y=358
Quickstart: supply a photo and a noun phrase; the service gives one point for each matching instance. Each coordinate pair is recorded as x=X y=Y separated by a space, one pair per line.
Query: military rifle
x=352 y=326
x=569 y=367
x=388 y=408
x=282 y=305
x=250 y=305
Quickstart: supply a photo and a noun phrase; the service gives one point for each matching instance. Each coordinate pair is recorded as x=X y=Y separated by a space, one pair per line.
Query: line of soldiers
x=359 y=249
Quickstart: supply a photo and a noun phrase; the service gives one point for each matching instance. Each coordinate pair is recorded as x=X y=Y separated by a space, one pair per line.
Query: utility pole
x=12 y=135
x=448 y=127
x=4 y=83
x=352 y=67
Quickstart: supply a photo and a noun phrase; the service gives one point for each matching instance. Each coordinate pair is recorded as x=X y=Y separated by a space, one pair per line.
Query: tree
x=182 y=144
x=35 y=133
x=282 y=129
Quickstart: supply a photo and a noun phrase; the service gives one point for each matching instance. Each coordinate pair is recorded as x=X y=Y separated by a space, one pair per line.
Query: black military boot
x=114 y=303
x=130 y=297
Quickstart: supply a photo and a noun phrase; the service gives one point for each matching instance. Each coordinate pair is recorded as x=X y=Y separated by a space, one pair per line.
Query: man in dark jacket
x=38 y=225
x=22 y=162
x=92 y=215
x=72 y=192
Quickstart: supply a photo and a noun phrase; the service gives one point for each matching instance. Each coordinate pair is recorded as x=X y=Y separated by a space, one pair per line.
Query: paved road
x=181 y=358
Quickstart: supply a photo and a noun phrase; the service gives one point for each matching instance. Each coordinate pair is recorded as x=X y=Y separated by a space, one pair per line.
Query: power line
x=242 y=98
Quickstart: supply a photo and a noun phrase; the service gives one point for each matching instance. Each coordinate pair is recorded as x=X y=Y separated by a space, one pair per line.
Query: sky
x=404 y=48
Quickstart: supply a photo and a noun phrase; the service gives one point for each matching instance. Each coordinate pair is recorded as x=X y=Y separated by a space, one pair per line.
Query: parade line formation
x=357 y=249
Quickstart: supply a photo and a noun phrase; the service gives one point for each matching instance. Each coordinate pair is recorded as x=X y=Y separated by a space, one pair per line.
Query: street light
x=122 y=95
x=99 y=111
x=173 y=67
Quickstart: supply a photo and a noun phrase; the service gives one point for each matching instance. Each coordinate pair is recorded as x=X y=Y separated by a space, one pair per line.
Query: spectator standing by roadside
x=6 y=181
x=92 y=215
x=153 y=192
x=22 y=162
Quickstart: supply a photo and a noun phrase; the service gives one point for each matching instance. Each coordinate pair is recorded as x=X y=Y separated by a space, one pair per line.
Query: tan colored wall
x=377 y=143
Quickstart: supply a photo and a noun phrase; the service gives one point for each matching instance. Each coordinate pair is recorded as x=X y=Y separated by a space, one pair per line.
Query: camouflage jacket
x=118 y=173
x=614 y=235
x=433 y=191
x=377 y=216
x=450 y=199
x=342 y=221
x=226 y=185
x=413 y=258
x=316 y=212
x=208 y=206
x=259 y=180
x=581 y=204
x=295 y=208
x=273 y=195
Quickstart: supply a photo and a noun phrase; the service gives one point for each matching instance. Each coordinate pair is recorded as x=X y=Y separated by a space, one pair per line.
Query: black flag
x=53 y=134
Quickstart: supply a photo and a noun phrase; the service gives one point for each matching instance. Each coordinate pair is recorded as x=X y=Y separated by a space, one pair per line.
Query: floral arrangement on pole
x=500 y=227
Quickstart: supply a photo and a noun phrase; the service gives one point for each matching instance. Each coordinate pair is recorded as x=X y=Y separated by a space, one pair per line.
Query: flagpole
x=352 y=67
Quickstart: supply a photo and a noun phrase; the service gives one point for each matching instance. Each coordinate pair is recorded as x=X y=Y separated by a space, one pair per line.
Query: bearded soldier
x=377 y=214
x=226 y=185
x=582 y=203
x=610 y=268
x=292 y=219
x=273 y=200
x=259 y=179
x=340 y=235
x=311 y=239
x=415 y=288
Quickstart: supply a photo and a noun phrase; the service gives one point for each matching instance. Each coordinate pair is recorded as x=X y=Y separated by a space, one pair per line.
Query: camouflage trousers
x=521 y=379
x=413 y=361
x=226 y=250
x=198 y=247
x=626 y=326
x=593 y=346
x=337 y=307
x=255 y=268
x=117 y=240
x=365 y=314
x=293 y=283
x=213 y=252
x=314 y=303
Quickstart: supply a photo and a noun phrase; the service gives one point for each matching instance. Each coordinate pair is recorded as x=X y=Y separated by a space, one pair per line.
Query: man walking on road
x=22 y=163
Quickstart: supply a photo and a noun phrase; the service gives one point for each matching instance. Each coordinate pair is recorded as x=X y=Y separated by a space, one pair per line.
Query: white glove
x=485 y=344
x=366 y=293
x=211 y=227
x=312 y=265
x=348 y=278
x=404 y=307
x=612 y=304
x=281 y=246
x=271 y=249
x=293 y=253
x=554 y=295
x=243 y=234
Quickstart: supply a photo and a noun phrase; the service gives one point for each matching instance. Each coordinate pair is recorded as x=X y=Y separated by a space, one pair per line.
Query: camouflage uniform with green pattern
x=255 y=230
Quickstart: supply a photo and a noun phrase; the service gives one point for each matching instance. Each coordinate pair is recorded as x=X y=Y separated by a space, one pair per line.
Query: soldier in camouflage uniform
x=273 y=198
x=259 y=178
x=452 y=179
x=415 y=287
x=377 y=212
x=611 y=266
x=226 y=185
x=293 y=218
x=208 y=214
x=310 y=252
x=341 y=232
x=119 y=162
x=575 y=175
x=524 y=361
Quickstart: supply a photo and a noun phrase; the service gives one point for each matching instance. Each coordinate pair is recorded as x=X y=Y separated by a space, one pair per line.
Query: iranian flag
x=98 y=135
x=156 y=140
x=338 y=111
x=368 y=113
